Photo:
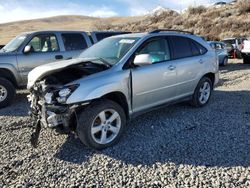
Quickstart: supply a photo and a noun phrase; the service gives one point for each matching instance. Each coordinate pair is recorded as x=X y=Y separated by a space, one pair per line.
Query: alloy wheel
x=106 y=126
x=204 y=92
x=3 y=93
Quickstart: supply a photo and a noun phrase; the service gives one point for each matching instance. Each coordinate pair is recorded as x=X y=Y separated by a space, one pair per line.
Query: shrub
x=244 y=6
x=197 y=10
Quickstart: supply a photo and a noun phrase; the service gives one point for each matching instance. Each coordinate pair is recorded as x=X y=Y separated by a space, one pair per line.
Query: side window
x=201 y=48
x=181 y=47
x=185 y=47
x=158 y=49
x=74 y=41
x=100 y=36
x=218 y=46
x=44 y=43
x=195 y=49
x=212 y=45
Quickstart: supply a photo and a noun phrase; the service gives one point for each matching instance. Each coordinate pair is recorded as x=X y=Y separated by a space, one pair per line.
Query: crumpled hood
x=44 y=70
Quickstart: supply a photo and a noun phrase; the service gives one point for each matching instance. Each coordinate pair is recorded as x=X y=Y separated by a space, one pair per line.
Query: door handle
x=58 y=57
x=171 y=67
x=200 y=61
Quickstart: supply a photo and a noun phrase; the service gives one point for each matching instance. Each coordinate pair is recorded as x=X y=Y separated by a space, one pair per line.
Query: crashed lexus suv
x=119 y=78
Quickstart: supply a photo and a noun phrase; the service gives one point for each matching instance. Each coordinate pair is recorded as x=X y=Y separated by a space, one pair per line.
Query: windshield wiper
x=103 y=61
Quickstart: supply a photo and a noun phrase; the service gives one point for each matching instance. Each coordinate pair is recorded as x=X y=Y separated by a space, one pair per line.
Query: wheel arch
x=120 y=99
x=7 y=74
x=211 y=76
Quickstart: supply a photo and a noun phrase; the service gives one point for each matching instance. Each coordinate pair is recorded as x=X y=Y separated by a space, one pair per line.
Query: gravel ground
x=178 y=146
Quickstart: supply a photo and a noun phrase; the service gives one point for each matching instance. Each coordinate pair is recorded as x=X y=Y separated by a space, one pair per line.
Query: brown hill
x=213 y=22
x=84 y=23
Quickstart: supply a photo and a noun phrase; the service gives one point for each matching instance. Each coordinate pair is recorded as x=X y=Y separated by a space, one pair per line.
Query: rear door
x=44 y=49
x=74 y=44
x=187 y=55
x=154 y=84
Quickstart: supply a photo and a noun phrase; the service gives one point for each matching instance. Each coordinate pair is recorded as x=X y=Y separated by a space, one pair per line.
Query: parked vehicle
x=96 y=36
x=237 y=44
x=119 y=78
x=32 y=49
x=220 y=3
x=246 y=52
x=221 y=51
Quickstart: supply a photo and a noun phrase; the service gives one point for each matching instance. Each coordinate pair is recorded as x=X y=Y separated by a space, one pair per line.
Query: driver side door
x=44 y=49
x=154 y=84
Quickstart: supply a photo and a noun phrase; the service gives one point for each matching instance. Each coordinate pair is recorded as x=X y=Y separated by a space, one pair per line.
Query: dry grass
x=213 y=23
x=84 y=23
x=196 y=10
x=244 y=6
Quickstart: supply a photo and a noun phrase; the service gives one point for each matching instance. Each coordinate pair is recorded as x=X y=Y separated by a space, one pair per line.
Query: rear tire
x=202 y=92
x=101 y=124
x=7 y=92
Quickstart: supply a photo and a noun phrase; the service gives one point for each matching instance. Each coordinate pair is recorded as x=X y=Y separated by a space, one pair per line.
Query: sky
x=15 y=10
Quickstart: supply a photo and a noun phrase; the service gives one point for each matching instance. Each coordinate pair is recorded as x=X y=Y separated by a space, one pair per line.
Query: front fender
x=94 y=89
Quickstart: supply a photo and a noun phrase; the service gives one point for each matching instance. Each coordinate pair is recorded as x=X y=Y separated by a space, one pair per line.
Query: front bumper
x=51 y=116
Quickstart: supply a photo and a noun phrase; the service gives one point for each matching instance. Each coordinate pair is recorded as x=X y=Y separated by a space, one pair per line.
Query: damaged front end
x=48 y=99
x=49 y=109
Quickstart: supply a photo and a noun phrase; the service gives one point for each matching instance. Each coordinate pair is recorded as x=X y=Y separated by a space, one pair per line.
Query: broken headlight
x=65 y=92
x=48 y=98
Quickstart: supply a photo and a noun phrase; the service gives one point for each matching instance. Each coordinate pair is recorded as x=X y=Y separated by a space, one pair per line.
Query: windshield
x=110 y=50
x=14 y=43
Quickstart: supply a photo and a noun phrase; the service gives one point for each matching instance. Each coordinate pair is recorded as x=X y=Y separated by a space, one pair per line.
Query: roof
x=139 y=35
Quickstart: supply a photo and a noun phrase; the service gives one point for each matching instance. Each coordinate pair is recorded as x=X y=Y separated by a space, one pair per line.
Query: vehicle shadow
x=19 y=106
x=215 y=135
x=231 y=67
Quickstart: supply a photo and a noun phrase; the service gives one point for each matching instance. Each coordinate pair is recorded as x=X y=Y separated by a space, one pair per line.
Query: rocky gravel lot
x=178 y=146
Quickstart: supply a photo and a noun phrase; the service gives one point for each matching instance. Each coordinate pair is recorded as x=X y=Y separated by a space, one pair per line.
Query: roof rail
x=170 y=30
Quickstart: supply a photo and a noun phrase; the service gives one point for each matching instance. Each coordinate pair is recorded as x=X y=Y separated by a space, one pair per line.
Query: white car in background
x=246 y=52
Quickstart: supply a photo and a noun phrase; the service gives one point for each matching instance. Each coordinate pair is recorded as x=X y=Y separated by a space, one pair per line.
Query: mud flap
x=35 y=135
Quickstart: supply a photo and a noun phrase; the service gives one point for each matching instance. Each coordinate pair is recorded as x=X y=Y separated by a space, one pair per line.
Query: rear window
x=230 y=41
x=74 y=41
x=100 y=36
x=185 y=47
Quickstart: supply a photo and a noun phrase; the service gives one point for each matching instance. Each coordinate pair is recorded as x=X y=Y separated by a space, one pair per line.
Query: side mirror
x=27 y=49
x=143 y=59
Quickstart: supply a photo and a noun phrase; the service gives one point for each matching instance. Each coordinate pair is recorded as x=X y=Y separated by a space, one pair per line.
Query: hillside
x=213 y=22
x=84 y=23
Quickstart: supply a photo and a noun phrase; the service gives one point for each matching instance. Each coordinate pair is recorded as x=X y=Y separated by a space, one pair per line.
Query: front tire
x=202 y=92
x=101 y=124
x=7 y=92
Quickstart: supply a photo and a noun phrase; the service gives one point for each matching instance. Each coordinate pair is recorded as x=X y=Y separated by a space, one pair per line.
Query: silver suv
x=119 y=78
